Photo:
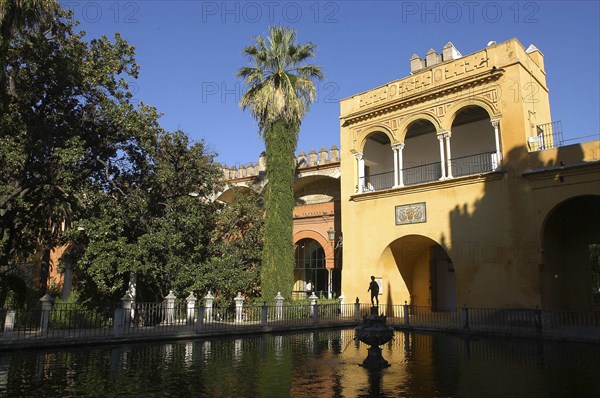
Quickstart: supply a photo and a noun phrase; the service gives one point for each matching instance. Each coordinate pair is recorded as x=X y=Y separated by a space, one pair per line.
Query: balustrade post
x=538 y=320
x=313 y=307
x=127 y=300
x=191 y=305
x=465 y=317
x=117 y=322
x=200 y=322
x=208 y=306
x=9 y=324
x=264 y=314
x=341 y=298
x=279 y=306
x=406 y=314
x=357 y=310
x=170 y=310
x=239 y=307
x=46 y=301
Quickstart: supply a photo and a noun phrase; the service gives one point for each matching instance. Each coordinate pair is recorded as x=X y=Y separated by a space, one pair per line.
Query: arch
x=569 y=279
x=406 y=123
x=310 y=273
x=229 y=192
x=364 y=136
x=319 y=238
x=456 y=107
x=316 y=189
x=420 y=272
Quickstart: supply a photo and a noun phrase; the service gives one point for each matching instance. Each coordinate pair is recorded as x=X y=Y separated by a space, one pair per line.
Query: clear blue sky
x=189 y=52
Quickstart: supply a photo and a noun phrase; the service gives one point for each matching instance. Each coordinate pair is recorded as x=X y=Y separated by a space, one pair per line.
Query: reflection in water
x=312 y=364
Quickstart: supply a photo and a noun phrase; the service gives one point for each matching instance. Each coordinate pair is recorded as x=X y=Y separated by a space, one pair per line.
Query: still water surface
x=316 y=364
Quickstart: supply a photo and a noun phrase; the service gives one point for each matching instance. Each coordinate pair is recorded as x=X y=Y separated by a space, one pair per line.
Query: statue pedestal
x=374 y=332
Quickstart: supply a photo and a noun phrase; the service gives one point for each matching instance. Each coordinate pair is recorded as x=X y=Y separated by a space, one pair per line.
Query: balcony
x=414 y=175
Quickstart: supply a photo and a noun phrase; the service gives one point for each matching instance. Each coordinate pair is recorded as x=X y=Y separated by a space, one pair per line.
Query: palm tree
x=16 y=15
x=280 y=89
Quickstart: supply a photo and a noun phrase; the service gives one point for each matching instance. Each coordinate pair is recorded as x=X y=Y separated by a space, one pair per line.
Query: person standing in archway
x=374 y=289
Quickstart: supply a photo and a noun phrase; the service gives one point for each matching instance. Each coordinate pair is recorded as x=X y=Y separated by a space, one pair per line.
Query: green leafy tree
x=154 y=221
x=235 y=249
x=69 y=114
x=280 y=88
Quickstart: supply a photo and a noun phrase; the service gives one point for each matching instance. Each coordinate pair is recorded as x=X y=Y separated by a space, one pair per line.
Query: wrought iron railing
x=474 y=164
x=378 y=182
x=423 y=173
x=68 y=324
x=548 y=135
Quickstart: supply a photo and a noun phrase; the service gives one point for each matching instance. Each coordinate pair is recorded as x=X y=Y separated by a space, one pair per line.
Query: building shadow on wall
x=498 y=241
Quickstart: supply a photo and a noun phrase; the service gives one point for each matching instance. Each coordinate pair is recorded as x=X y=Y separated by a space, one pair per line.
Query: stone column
x=208 y=309
x=361 y=171
x=170 y=310
x=127 y=305
x=442 y=155
x=239 y=307
x=191 y=306
x=447 y=136
x=313 y=306
x=9 y=324
x=398 y=165
x=279 y=306
x=329 y=280
x=496 y=124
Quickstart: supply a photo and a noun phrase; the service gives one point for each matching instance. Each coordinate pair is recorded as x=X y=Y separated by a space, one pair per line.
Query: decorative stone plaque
x=411 y=214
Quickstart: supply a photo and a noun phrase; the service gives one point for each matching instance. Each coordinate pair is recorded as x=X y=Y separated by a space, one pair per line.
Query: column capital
x=444 y=134
x=358 y=155
x=398 y=146
x=495 y=122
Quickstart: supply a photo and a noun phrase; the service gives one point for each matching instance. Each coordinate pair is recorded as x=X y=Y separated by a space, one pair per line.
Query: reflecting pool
x=308 y=364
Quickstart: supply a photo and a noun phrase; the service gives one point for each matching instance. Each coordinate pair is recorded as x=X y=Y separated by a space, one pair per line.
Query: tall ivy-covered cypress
x=280 y=88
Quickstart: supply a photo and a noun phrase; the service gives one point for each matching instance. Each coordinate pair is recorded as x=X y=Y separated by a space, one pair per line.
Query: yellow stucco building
x=457 y=189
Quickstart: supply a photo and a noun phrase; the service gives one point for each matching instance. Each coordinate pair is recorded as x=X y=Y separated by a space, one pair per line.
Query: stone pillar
x=279 y=306
x=398 y=165
x=239 y=307
x=442 y=155
x=357 y=310
x=341 y=298
x=170 y=308
x=191 y=306
x=465 y=317
x=329 y=280
x=406 y=314
x=127 y=301
x=208 y=306
x=496 y=124
x=264 y=315
x=449 y=153
x=361 y=172
x=9 y=324
x=46 y=301
x=313 y=307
